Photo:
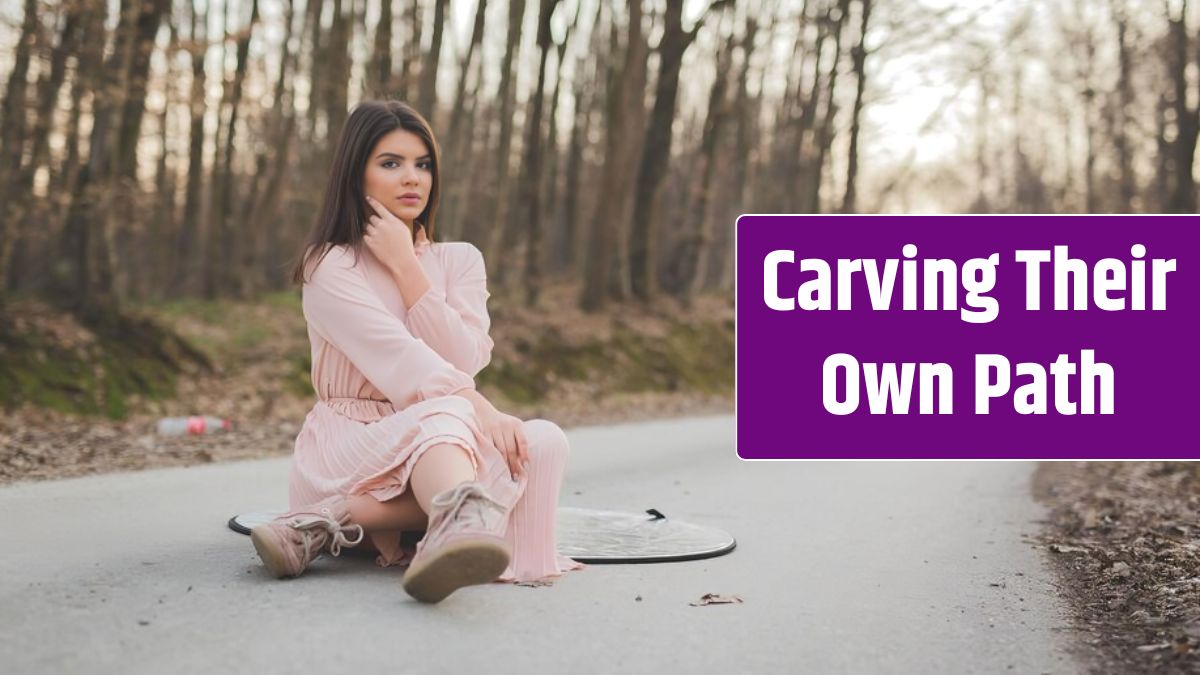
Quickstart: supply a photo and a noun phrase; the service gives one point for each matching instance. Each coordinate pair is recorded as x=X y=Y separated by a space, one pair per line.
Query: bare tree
x=427 y=98
x=12 y=140
x=189 y=258
x=506 y=98
x=1182 y=197
x=656 y=146
x=221 y=241
x=92 y=218
x=858 y=55
x=694 y=248
x=626 y=92
x=1128 y=186
x=531 y=183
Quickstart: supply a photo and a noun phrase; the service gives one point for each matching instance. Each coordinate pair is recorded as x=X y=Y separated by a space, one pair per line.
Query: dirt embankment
x=75 y=400
x=1124 y=539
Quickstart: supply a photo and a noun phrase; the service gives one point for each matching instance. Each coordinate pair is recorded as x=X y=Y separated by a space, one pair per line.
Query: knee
x=547 y=442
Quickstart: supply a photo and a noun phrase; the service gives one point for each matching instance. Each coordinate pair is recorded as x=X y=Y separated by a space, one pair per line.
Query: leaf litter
x=1124 y=541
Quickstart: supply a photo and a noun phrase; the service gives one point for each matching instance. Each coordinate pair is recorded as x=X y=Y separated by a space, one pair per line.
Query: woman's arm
x=455 y=323
x=342 y=308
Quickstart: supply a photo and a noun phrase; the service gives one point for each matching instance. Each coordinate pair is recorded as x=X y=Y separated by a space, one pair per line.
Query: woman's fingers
x=514 y=455
x=523 y=447
x=380 y=210
x=501 y=444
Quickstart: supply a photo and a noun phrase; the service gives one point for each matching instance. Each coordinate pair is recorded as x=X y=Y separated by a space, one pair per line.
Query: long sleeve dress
x=386 y=378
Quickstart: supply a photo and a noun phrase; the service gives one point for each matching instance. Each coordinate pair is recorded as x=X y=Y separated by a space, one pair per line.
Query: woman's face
x=399 y=174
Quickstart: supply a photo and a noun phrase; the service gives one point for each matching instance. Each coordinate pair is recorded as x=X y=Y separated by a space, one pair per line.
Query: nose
x=410 y=176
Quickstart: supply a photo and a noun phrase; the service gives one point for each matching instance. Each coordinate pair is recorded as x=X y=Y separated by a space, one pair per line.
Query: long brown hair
x=343 y=216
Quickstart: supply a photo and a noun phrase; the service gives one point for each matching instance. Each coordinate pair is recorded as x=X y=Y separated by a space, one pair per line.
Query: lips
x=410 y=197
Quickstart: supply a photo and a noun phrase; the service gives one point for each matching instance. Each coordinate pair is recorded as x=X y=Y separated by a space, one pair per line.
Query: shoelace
x=458 y=497
x=330 y=524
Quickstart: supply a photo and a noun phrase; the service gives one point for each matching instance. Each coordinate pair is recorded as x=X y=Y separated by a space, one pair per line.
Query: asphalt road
x=844 y=567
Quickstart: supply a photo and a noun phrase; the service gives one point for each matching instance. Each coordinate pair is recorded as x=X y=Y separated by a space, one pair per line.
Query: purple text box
x=781 y=411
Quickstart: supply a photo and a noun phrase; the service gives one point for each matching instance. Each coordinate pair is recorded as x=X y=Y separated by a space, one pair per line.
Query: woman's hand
x=506 y=432
x=389 y=238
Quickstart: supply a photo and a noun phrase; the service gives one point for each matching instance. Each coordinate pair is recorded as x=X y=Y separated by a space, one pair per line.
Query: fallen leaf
x=1154 y=647
x=716 y=599
x=1065 y=548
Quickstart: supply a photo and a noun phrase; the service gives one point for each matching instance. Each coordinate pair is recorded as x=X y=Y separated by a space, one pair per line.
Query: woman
x=399 y=440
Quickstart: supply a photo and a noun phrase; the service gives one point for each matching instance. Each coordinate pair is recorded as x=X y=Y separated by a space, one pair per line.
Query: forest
x=178 y=148
x=161 y=162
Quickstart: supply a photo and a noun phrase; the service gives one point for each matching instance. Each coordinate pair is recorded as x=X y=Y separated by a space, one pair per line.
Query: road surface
x=843 y=567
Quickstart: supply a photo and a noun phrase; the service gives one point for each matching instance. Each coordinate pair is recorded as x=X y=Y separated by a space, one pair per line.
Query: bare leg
x=460 y=548
x=401 y=513
x=440 y=468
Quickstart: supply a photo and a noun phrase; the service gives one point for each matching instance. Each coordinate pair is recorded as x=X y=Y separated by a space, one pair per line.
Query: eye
x=389 y=164
x=424 y=164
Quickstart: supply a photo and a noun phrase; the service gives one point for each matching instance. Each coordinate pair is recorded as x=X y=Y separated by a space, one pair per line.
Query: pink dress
x=386 y=378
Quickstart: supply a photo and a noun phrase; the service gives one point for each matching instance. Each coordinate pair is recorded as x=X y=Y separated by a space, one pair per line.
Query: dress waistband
x=360 y=409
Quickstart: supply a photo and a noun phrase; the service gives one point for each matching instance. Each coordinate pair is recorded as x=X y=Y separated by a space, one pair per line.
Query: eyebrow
x=392 y=154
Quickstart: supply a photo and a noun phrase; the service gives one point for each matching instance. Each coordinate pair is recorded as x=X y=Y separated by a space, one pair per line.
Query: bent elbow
x=483 y=354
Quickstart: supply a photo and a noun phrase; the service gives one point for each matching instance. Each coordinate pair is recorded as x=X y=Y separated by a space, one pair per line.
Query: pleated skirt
x=350 y=447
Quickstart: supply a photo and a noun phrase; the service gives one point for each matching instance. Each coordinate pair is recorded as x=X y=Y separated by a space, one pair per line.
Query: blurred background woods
x=162 y=148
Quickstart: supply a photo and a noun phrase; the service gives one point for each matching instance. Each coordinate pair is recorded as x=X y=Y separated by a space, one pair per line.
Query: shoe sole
x=271 y=556
x=458 y=564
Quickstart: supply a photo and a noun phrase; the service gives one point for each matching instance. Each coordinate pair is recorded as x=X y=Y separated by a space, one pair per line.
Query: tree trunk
x=626 y=92
x=823 y=137
x=1187 y=120
x=221 y=241
x=574 y=173
x=586 y=99
x=261 y=258
x=1162 y=176
x=804 y=124
x=316 y=78
x=338 y=80
x=50 y=84
x=745 y=113
x=92 y=219
x=552 y=180
x=12 y=141
x=150 y=16
x=982 y=150
x=410 y=65
x=506 y=97
x=162 y=225
x=1124 y=103
x=457 y=143
x=427 y=102
x=656 y=152
x=457 y=113
x=380 y=78
x=188 y=266
x=859 y=59
x=695 y=246
x=531 y=182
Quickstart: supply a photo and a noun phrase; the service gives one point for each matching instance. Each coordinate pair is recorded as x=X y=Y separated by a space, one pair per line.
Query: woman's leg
x=438 y=469
x=531 y=527
x=400 y=513
x=460 y=547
